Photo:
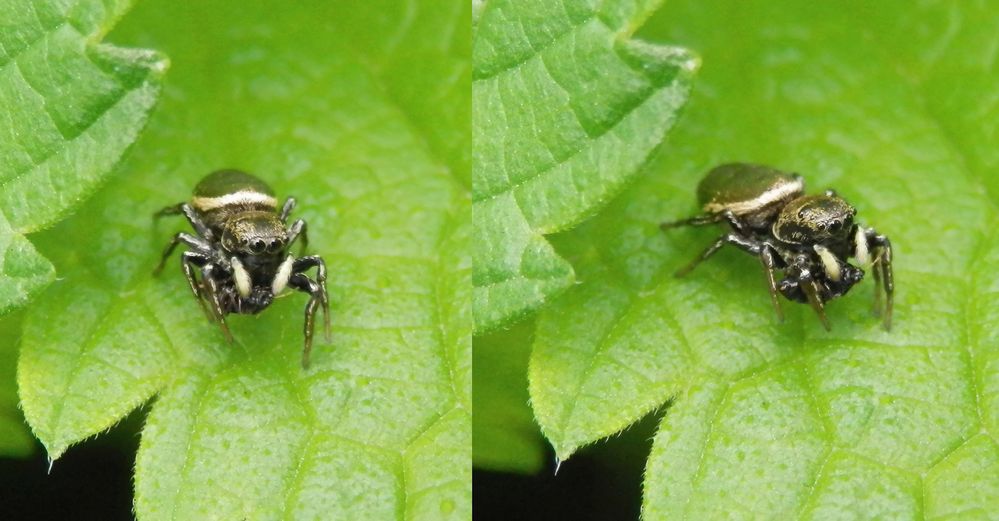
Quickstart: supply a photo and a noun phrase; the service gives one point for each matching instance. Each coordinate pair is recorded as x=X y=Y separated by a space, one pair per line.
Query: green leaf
x=379 y=427
x=506 y=438
x=71 y=106
x=424 y=71
x=786 y=421
x=567 y=107
x=15 y=439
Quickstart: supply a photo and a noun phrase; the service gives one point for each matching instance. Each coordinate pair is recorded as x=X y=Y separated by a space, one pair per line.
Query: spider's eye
x=835 y=226
x=258 y=246
x=274 y=246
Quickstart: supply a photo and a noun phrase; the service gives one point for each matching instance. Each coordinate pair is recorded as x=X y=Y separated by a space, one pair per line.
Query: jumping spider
x=808 y=237
x=241 y=248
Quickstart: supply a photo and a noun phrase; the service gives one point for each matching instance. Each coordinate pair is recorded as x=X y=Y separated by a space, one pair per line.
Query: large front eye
x=836 y=226
x=258 y=246
x=275 y=246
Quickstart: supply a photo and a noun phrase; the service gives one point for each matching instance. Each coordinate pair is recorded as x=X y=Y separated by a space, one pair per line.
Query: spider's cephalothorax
x=808 y=237
x=241 y=247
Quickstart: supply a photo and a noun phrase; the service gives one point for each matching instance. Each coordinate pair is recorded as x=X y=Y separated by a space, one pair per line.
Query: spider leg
x=706 y=219
x=192 y=217
x=811 y=290
x=743 y=243
x=876 y=271
x=188 y=261
x=317 y=292
x=304 y=263
x=697 y=220
x=299 y=228
x=169 y=210
x=208 y=273
x=883 y=264
x=194 y=242
x=289 y=205
x=767 y=258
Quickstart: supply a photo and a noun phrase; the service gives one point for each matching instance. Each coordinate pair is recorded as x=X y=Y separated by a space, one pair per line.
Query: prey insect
x=809 y=238
x=241 y=249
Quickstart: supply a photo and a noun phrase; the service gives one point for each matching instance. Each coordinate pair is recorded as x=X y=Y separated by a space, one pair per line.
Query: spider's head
x=254 y=234
x=815 y=219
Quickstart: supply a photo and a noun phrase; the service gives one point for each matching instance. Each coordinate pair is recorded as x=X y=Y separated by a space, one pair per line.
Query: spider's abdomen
x=225 y=193
x=745 y=188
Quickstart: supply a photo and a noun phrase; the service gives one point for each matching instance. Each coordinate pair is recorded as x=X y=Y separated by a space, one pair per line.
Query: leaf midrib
x=295 y=480
x=600 y=351
x=86 y=346
x=55 y=152
x=402 y=109
x=535 y=50
x=647 y=97
x=43 y=32
x=437 y=261
x=982 y=243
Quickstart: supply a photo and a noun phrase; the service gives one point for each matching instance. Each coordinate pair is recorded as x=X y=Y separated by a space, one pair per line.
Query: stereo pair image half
x=501 y=259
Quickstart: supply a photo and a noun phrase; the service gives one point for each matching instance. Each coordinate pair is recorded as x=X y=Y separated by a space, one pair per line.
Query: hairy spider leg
x=811 y=289
x=303 y=283
x=871 y=247
x=734 y=239
x=181 y=237
x=208 y=278
x=883 y=274
x=289 y=205
x=303 y=264
x=876 y=307
x=768 y=259
x=299 y=228
x=706 y=219
x=192 y=217
x=188 y=261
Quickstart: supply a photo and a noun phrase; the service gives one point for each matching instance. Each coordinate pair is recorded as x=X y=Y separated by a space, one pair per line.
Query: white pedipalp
x=281 y=277
x=860 y=243
x=241 y=276
x=829 y=262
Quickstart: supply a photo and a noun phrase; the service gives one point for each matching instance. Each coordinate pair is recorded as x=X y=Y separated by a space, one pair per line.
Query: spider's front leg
x=299 y=228
x=209 y=275
x=800 y=285
x=768 y=256
x=303 y=264
x=289 y=205
x=874 y=249
x=812 y=292
x=317 y=292
x=188 y=261
x=883 y=272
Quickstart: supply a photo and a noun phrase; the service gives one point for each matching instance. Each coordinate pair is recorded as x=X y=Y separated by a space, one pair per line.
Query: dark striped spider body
x=808 y=238
x=238 y=259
